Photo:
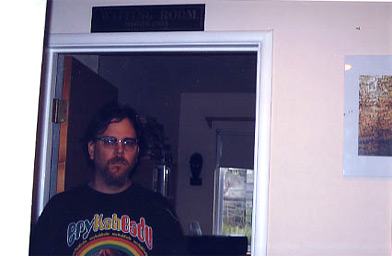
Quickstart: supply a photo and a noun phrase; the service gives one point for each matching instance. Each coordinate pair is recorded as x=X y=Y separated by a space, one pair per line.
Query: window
x=236 y=195
x=235 y=179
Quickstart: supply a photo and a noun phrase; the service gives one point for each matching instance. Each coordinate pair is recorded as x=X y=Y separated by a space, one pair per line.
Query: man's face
x=113 y=164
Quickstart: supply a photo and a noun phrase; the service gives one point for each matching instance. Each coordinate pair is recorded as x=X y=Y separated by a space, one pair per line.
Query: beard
x=113 y=176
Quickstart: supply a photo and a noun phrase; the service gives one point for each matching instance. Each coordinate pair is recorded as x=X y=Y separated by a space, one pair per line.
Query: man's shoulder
x=148 y=195
x=142 y=191
x=69 y=196
x=154 y=202
x=82 y=189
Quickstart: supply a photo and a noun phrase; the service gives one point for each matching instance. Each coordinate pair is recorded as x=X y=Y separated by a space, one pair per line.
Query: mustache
x=118 y=160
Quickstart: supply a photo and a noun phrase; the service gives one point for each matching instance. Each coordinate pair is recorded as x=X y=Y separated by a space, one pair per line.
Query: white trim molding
x=258 y=41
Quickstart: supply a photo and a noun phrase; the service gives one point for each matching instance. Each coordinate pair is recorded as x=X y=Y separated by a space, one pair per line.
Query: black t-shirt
x=83 y=221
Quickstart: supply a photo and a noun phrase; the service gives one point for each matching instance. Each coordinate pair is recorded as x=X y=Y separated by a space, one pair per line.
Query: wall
x=20 y=80
x=196 y=203
x=314 y=210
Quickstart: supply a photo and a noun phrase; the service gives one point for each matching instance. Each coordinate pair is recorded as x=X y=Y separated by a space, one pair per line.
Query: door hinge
x=59 y=111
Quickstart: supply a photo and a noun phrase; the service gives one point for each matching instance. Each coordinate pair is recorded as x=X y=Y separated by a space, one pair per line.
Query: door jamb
x=259 y=41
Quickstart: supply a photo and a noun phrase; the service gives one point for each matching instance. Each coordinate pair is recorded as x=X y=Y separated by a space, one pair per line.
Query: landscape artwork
x=375 y=115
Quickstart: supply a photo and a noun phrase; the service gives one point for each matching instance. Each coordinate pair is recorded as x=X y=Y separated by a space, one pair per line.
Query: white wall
x=197 y=202
x=22 y=28
x=314 y=210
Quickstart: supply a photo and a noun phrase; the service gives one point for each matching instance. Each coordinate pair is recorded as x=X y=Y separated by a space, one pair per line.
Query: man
x=110 y=215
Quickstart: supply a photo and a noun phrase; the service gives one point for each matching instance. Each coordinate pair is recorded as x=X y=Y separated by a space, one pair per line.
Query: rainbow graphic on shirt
x=114 y=233
x=110 y=246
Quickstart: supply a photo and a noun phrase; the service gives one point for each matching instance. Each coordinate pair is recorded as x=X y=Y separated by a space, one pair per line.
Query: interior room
x=313 y=207
x=193 y=102
x=184 y=101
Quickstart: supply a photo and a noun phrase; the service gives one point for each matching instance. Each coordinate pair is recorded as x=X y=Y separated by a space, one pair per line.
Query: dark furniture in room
x=218 y=245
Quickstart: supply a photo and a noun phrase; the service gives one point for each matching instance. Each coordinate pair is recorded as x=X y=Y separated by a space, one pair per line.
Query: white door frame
x=260 y=42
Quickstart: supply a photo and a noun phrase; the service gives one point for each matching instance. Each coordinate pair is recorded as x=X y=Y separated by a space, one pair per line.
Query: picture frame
x=368 y=116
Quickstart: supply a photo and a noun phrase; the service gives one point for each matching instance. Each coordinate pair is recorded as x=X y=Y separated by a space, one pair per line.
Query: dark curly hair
x=109 y=113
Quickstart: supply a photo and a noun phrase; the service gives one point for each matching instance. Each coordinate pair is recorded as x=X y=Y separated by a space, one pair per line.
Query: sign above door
x=148 y=18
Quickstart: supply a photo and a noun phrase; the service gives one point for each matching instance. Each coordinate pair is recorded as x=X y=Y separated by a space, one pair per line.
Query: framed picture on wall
x=368 y=116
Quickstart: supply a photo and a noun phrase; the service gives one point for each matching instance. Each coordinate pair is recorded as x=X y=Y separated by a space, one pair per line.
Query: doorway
x=169 y=47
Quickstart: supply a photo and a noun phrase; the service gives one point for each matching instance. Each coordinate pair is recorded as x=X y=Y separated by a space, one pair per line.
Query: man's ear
x=137 y=153
x=91 y=149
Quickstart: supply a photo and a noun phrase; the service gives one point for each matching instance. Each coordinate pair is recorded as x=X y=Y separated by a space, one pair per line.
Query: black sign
x=148 y=18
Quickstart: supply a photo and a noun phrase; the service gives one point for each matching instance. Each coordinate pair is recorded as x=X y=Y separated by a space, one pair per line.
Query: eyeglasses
x=128 y=144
